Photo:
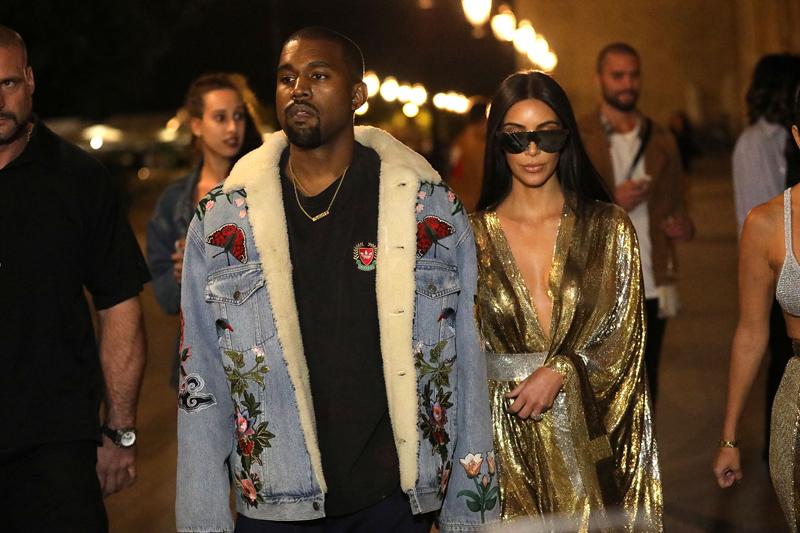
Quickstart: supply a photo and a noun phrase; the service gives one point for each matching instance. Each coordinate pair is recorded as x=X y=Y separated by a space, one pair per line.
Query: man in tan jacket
x=641 y=165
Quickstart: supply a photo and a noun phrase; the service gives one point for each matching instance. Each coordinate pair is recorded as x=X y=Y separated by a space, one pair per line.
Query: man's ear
x=360 y=95
x=796 y=135
x=29 y=79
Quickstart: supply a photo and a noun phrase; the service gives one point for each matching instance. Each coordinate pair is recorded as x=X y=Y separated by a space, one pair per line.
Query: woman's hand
x=727 y=467
x=536 y=394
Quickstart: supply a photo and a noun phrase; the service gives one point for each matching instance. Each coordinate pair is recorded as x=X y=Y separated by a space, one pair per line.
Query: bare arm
x=122 y=357
x=756 y=287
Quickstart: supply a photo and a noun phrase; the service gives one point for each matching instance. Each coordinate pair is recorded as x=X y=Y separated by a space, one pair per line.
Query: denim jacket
x=245 y=411
x=169 y=222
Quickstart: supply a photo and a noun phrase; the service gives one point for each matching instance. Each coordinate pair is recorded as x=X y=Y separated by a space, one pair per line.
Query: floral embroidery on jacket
x=251 y=438
x=484 y=498
x=190 y=388
x=207 y=202
x=435 y=400
x=428 y=189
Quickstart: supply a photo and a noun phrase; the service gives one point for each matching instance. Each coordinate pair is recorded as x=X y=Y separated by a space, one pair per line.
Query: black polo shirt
x=63 y=230
x=333 y=263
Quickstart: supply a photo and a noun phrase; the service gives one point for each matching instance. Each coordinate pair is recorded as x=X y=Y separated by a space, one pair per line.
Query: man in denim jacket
x=332 y=261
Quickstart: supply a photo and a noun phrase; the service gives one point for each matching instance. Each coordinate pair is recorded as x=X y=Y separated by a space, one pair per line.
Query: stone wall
x=697 y=55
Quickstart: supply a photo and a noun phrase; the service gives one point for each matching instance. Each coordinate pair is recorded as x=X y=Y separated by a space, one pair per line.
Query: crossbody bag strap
x=647 y=129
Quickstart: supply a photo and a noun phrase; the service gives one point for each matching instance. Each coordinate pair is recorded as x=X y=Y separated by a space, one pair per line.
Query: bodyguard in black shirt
x=64 y=231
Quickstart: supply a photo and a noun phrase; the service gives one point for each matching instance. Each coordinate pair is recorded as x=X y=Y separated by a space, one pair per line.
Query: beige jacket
x=668 y=187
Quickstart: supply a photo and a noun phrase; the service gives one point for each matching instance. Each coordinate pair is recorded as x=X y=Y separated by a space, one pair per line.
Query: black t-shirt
x=63 y=230
x=333 y=263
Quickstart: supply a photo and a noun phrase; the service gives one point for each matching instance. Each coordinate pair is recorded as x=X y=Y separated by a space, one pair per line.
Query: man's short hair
x=350 y=50
x=615 y=48
x=9 y=38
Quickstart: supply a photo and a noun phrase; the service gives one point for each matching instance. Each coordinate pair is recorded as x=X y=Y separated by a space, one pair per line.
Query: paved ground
x=693 y=381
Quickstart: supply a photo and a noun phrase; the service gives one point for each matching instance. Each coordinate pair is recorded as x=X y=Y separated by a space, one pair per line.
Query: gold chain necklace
x=327 y=211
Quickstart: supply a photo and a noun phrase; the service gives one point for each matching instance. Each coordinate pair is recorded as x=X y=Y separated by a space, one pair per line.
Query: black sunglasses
x=550 y=141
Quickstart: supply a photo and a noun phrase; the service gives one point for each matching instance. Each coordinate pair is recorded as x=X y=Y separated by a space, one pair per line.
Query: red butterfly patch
x=231 y=239
x=431 y=230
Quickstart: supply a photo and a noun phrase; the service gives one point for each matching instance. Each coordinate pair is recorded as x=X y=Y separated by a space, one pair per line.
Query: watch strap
x=115 y=435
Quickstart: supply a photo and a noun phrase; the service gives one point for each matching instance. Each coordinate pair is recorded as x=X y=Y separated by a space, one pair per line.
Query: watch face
x=127 y=438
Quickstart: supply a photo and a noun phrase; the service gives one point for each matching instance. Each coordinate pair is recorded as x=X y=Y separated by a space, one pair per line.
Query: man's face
x=315 y=96
x=16 y=91
x=620 y=81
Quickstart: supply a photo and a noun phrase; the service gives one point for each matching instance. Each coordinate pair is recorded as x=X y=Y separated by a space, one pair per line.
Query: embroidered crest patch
x=431 y=230
x=231 y=239
x=365 y=254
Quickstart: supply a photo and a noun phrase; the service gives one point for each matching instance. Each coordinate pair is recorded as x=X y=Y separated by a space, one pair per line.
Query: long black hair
x=796 y=110
x=579 y=179
x=771 y=88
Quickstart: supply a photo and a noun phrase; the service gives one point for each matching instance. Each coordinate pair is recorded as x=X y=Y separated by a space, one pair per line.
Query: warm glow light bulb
x=539 y=47
x=461 y=104
x=372 y=82
x=477 y=11
x=504 y=24
x=440 y=101
x=404 y=93
x=410 y=110
x=418 y=94
x=363 y=109
x=96 y=142
x=452 y=101
x=549 y=61
x=174 y=123
x=389 y=89
x=524 y=36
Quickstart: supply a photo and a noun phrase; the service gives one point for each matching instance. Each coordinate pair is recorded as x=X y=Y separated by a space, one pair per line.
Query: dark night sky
x=96 y=58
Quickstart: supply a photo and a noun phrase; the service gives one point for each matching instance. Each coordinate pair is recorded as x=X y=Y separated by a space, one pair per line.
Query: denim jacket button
x=432 y=287
x=237 y=295
x=315 y=505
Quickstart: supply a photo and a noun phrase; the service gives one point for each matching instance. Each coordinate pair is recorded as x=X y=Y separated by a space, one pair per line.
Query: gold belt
x=512 y=366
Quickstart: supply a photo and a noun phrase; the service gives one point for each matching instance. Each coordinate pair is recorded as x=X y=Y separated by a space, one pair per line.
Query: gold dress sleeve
x=591 y=463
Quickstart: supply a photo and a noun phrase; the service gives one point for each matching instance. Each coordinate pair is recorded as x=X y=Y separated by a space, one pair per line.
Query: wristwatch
x=124 y=438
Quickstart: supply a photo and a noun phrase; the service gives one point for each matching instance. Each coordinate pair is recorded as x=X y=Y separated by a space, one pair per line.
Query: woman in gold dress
x=768 y=269
x=561 y=317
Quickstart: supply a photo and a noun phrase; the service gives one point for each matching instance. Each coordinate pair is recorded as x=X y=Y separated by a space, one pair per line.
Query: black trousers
x=392 y=514
x=780 y=351
x=51 y=487
x=652 y=347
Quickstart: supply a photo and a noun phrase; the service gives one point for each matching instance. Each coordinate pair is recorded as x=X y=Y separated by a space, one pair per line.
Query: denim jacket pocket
x=242 y=313
x=436 y=302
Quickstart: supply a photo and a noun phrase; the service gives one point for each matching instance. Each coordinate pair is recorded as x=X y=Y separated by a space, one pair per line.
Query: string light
x=477 y=13
x=372 y=82
x=410 y=110
x=504 y=24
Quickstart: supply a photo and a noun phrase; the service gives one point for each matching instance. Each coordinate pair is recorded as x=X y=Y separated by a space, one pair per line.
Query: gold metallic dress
x=591 y=463
x=784 y=440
